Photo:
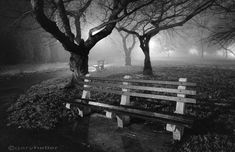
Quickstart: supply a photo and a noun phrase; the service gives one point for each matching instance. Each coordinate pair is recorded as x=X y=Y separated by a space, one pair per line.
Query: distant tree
x=223 y=32
x=128 y=44
x=168 y=41
x=200 y=22
x=128 y=41
x=162 y=15
x=168 y=50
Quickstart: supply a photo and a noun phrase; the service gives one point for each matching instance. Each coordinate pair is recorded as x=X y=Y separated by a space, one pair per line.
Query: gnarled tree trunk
x=147 y=63
x=144 y=45
x=79 y=67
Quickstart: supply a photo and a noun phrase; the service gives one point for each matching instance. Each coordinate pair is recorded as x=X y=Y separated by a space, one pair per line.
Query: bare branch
x=65 y=21
x=51 y=27
x=133 y=43
x=97 y=28
x=84 y=8
x=129 y=31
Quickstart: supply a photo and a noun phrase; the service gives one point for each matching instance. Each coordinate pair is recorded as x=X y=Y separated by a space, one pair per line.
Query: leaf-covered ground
x=42 y=105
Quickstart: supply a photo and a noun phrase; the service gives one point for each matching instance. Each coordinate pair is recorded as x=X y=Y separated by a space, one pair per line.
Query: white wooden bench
x=100 y=65
x=157 y=91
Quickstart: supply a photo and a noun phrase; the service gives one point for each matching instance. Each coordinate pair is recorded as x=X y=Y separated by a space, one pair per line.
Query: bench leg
x=82 y=111
x=178 y=133
x=177 y=130
x=67 y=105
x=122 y=121
x=170 y=127
x=180 y=108
x=109 y=115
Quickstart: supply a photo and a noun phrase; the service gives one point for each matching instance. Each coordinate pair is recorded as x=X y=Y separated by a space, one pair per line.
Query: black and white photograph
x=117 y=75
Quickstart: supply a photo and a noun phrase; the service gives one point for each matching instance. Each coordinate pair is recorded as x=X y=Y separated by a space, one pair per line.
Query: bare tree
x=80 y=48
x=162 y=15
x=223 y=32
x=127 y=39
x=168 y=41
x=200 y=22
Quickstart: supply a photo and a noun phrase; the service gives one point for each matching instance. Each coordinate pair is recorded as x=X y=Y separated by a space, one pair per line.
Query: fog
x=112 y=52
x=22 y=46
x=117 y=75
x=27 y=48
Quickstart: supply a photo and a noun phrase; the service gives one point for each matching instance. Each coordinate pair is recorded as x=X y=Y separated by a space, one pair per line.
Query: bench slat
x=175 y=119
x=152 y=96
x=156 y=89
x=143 y=81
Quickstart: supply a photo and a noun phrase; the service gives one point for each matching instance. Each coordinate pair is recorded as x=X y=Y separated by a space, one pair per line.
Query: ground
x=215 y=85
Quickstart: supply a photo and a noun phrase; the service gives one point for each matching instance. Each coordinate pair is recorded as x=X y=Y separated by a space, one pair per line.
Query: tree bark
x=126 y=51
x=147 y=63
x=127 y=59
x=79 y=63
x=144 y=45
x=79 y=66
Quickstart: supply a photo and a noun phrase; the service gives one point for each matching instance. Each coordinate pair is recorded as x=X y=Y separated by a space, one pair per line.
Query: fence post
x=123 y=120
x=85 y=95
x=180 y=109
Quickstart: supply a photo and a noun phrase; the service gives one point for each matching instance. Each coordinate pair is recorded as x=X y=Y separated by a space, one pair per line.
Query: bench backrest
x=100 y=65
x=143 y=88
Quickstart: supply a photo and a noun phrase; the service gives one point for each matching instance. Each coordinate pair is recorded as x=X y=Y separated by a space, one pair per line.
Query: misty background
x=22 y=41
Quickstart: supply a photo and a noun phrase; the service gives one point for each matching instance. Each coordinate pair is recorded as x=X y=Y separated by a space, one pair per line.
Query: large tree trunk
x=79 y=67
x=79 y=64
x=144 y=44
x=147 y=63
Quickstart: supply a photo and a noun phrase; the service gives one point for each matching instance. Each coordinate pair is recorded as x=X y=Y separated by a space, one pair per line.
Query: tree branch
x=133 y=43
x=97 y=28
x=129 y=31
x=198 y=10
x=52 y=28
x=65 y=21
